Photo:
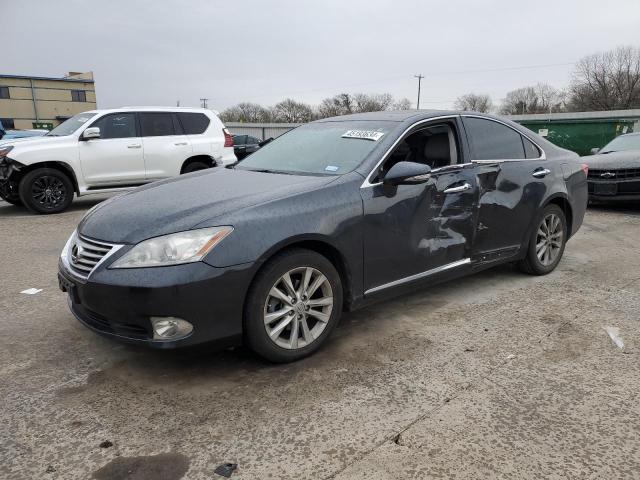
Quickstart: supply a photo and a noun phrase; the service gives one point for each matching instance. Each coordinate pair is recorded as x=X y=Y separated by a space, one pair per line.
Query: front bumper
x=118 y=303
x=614 y=190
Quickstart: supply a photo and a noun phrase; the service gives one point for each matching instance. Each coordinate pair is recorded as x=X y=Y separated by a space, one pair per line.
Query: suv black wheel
x=293 y=305
x=46 y=190
x=9 y=192
x=547 y=242
x=194 y=167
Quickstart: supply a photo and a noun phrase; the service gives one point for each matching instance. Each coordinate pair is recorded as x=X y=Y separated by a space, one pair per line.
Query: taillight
x=585 y=169
x=228 y=139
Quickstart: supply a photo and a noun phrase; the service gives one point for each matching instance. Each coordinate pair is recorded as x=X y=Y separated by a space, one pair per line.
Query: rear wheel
x=9 y=192
x=547 y=242
x=46 y=190
x=293 y=306
x=194 y=167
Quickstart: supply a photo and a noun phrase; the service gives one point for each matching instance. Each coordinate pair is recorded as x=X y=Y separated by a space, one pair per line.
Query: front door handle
x=135 y=145
x=541 y=173
x=180 y=143
x=465 y=186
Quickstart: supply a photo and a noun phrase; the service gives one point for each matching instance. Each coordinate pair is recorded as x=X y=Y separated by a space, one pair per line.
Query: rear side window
x=116 y=125
x=491 y=140
x=252 y=140
x=530 y=150
x=239 y=140
x=193 y=123
x=157 y=124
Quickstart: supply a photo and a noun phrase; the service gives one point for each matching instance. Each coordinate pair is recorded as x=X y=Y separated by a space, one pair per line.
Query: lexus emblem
x=608 y=175
x=76 y=251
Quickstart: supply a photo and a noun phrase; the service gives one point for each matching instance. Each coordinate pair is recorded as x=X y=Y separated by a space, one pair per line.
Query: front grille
x=614 y=174
x=85 y=254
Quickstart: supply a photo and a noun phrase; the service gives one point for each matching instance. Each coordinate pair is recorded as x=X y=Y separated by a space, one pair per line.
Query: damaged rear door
x=412 y=232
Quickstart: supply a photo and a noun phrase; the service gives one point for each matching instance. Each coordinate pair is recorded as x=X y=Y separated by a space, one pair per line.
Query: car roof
x=154 y=109
x=404 y=115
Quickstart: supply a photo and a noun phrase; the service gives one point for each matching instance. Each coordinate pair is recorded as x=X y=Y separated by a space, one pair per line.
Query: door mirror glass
x=594 y=150
x=91 y=132
x=407 y=173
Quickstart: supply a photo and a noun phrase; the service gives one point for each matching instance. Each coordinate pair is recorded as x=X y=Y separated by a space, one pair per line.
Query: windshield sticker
x=331 y=168
x=364 y=134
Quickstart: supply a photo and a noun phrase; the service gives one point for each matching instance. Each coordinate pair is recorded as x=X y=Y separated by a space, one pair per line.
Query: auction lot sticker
x=364 y=134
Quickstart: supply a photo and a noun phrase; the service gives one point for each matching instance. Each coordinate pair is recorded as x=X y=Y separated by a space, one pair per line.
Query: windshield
x=71 y=125
x=622 y=143
x=329 y=148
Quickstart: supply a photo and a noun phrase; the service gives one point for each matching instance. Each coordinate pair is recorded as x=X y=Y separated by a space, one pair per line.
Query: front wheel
x=46 y=190
x=293 y=305
x=9 y=192
x=547 y=242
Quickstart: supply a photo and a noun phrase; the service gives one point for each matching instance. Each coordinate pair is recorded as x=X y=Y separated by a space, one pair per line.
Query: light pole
x=419 y=77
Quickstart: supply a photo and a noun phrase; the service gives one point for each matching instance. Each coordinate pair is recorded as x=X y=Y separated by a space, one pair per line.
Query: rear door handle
x=541 y=173
x=135 y=145
x=465 y=186
x=180 y=143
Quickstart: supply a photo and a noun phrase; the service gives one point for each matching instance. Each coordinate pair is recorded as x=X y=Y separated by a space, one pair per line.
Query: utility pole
x=178 y=103
x=204 y=102
x=419 y=77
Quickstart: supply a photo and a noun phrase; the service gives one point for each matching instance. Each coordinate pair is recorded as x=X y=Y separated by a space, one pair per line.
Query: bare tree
x=372 y=102
x=474 y=102
x=540 y=98
x=246 y=112
x=401 y=104
x=290 y=111
x=341 y=104
x=607 y=81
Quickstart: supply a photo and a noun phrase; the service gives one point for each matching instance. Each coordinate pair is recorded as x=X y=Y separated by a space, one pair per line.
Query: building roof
x=608 y=114
x=61 y=79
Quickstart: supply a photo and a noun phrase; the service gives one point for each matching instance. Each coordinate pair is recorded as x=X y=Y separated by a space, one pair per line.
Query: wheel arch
x=563 y=202
x=322 y=246
x=209 y=160
x=56 y=165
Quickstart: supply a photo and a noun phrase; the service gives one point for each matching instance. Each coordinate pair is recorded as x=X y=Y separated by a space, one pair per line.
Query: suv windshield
x=328 y=148
x=71 y=125
x=622 y=143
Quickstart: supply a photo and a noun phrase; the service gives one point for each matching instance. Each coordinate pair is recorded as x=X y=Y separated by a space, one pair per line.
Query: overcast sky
x=158 y=52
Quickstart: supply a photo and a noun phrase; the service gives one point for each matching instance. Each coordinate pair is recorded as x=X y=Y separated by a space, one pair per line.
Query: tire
x=541 y=260
x=195 y=166
x=9 y=192
x=276 y=342
x=46 y=191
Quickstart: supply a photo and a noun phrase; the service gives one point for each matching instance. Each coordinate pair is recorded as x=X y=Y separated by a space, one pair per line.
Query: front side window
x=4 y=92
x=71 y=125
x=78 y=96
x=157 y=124
x=239 y=140
x=324 y=148
x=117 y=125
x=491 y=140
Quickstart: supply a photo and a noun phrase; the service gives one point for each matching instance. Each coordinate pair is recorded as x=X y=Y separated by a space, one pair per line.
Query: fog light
x=170 y=328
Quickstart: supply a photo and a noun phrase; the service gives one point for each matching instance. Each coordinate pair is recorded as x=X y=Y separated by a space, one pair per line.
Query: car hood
x=33 y=141
x=628 y=159
x=183 y=202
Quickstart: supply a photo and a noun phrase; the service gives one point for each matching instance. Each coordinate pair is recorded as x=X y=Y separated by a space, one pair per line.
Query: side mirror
x=264 y=142
x=91 y=132
x=407 y=173
x=594 y=150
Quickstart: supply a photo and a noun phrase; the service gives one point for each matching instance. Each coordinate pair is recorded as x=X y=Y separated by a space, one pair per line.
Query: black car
x=330 y=216
x=614 y=170
x=244 y=145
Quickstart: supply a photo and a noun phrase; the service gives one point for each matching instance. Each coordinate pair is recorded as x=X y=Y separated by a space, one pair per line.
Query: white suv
x=108 y=151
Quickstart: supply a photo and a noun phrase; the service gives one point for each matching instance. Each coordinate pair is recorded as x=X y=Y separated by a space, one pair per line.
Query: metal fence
x=260 y=130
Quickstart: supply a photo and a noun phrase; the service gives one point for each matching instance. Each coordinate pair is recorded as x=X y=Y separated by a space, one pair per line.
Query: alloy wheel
x=48 y=191
x=298 y=308
x=549 y=239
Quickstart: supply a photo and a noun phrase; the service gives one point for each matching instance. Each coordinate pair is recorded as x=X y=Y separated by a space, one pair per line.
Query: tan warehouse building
x=44 y=102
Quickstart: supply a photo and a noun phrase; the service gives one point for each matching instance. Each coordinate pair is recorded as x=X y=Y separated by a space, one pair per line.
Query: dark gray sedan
x=614 y=171
x=333 y=215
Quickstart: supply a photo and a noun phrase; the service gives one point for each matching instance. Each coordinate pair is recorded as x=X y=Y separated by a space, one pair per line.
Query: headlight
x=4 y=151
x=174 y=249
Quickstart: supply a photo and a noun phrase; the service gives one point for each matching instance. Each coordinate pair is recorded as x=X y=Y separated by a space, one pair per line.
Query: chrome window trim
x=543 y=156
x=417 y=276
x=367 y=183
